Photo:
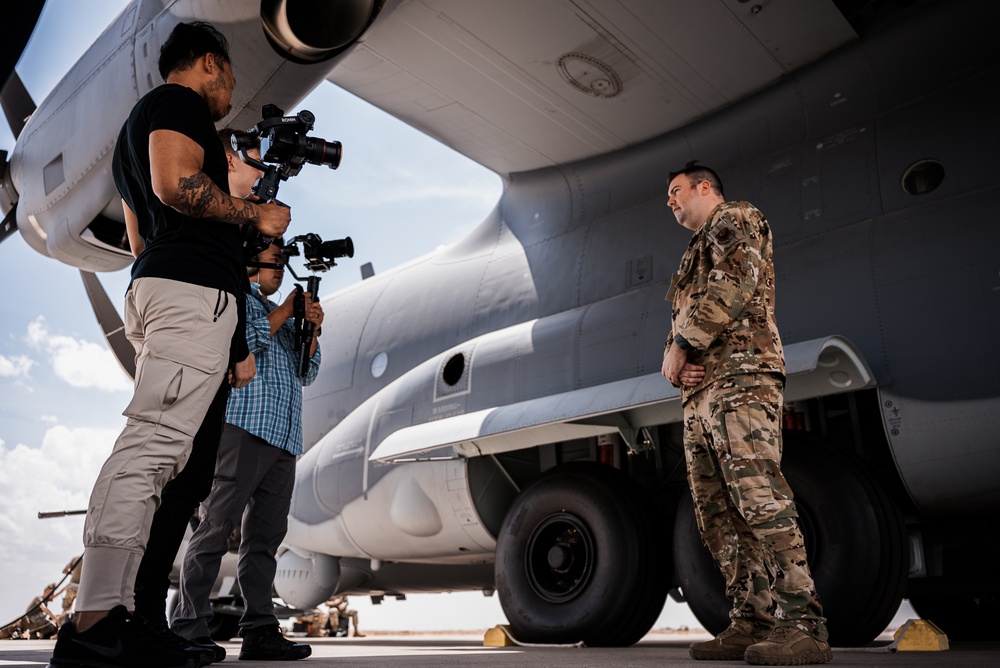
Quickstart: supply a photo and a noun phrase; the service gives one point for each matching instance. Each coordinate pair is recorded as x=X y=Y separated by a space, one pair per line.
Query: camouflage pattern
x=313 y=624
x=723 y=297
x=723 y=305
x=744 y=507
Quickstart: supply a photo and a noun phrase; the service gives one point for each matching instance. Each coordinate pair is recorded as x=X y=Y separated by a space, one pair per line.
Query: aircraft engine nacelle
x=306 y=581
x=311 y=32
x=60 y=168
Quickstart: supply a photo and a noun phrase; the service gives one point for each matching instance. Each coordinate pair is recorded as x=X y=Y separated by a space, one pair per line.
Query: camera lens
x=321 y=152
x=338 y=248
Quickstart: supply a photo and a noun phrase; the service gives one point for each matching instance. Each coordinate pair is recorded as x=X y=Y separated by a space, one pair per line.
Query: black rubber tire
x=222 y=627
x=855 y=540
x=614 y=569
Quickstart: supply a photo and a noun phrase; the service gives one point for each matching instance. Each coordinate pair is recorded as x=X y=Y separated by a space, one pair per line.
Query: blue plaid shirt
x=270 y=407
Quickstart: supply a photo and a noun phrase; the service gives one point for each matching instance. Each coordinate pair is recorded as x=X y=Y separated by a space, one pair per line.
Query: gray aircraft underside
x=561 y=287
x=517 y=371
x=547 y=323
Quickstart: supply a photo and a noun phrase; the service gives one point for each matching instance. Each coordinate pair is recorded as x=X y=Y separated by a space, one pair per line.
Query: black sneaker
x=160 y=631
x=205 y=642
x=265 y=643
x=113 y=642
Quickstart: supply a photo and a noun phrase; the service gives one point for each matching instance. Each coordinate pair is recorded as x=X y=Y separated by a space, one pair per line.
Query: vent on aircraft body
x=922 y=177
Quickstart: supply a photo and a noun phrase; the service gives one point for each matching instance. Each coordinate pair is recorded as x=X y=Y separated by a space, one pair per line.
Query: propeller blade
x=17 y=103
x=110 y=322
x=19 y=22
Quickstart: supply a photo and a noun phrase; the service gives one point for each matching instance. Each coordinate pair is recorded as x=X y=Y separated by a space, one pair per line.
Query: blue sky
x=398 y=194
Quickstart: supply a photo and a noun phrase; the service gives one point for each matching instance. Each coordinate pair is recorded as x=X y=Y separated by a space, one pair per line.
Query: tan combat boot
x=727 y=646
x=788 y=646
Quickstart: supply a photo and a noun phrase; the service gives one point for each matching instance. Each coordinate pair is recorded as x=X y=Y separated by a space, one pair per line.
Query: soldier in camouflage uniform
x=725 y=355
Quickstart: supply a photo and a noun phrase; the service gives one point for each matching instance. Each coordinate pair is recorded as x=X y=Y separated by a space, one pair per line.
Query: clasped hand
x=679 y=371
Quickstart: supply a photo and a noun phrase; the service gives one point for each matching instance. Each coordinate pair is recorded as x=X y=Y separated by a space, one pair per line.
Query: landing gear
x=581 y=557
x=855 y=540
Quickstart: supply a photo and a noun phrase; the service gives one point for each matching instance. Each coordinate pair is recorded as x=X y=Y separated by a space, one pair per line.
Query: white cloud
x=79 y=363
x=15 y=366
x=58 y=475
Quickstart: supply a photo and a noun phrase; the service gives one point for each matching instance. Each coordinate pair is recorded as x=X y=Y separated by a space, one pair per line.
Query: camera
x=319 y=254
x=283 y=141
x=284 y=148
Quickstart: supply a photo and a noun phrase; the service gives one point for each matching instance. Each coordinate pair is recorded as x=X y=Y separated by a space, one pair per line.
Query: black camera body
x=320 y=256
x=284 y=142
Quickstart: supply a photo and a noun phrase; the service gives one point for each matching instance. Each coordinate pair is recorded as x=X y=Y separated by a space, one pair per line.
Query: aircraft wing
x=815 y=368
x=525 y=84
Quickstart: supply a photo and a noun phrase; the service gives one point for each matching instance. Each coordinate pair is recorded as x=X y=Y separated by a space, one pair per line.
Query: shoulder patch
x=725 y=235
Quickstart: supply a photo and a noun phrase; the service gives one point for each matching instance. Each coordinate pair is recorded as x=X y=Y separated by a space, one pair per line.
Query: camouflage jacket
x=723 y=297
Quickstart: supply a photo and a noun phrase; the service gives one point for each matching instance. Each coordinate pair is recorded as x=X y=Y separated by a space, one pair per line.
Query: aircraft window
x=923 y=177
x=453 y=369
x=379 y=364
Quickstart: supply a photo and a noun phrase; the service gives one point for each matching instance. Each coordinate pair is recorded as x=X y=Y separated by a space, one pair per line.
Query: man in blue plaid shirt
x=255 y=471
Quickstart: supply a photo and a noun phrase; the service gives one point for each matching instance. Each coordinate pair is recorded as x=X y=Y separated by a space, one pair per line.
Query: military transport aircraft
x=492 y=415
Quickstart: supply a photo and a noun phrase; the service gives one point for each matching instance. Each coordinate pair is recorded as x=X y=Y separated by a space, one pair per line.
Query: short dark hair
x=187 y=43
x=698 y=173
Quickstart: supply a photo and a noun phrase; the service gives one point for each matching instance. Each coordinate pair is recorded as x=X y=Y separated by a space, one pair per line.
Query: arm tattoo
x=196 y=193
x=201 y=198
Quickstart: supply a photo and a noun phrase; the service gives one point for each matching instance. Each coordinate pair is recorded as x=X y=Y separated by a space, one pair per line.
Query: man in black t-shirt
x=180 y=314
x=181 y=496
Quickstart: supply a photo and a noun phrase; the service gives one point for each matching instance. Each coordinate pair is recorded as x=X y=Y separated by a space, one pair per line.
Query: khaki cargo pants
x=182 y=334
x=744 y=507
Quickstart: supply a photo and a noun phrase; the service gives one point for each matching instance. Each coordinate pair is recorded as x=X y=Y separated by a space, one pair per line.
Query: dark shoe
x=727 y=646
x=788 y=646
x=265 y=643
x=114 y=641
x=158 y=630
x=207 y=643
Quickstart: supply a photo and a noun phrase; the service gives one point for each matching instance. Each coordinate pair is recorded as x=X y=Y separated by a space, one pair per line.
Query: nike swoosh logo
x=112 y=652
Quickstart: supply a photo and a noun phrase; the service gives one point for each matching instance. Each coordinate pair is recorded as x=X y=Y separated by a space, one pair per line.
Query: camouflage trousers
x=744 y=507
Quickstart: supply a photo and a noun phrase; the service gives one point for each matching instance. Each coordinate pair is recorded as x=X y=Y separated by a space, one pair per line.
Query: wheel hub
x=559 y=557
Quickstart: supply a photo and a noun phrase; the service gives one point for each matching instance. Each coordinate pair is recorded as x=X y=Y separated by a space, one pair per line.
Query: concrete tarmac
x=659 y=648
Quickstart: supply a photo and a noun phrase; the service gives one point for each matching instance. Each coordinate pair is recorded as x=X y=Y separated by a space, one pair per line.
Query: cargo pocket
x=751 y=449
x=174 y=377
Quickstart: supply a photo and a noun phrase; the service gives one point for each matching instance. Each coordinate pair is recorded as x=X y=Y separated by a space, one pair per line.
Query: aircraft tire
x=855 y=541
x=581 y=557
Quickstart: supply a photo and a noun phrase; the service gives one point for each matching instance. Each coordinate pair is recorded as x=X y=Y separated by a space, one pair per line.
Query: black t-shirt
x=176 y=246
